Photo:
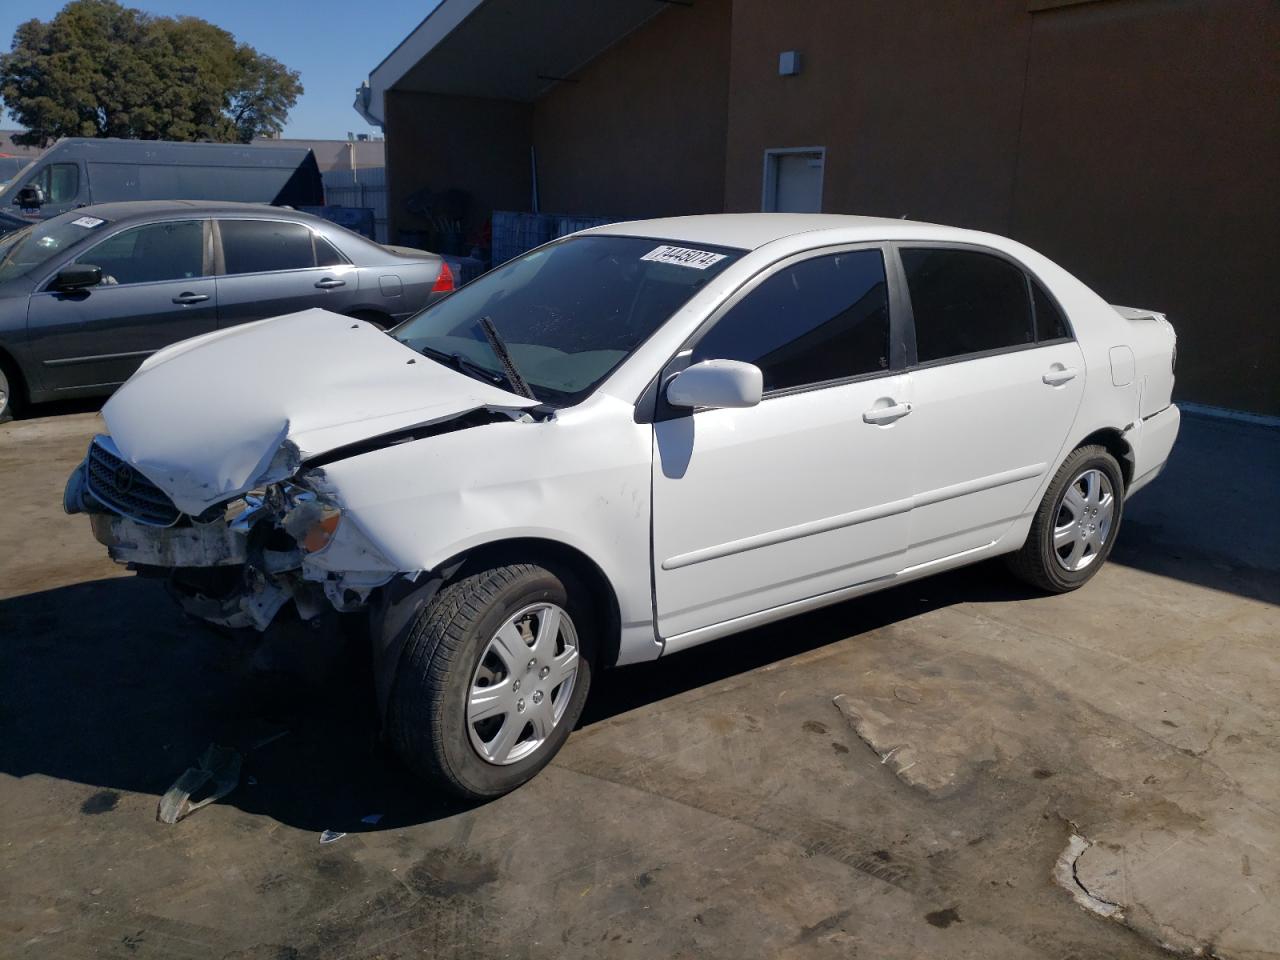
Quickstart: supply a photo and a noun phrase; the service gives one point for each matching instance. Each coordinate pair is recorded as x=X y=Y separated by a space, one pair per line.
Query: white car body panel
x=701 y=525
x=770 y=504
x=207 y=418
x=993 y=424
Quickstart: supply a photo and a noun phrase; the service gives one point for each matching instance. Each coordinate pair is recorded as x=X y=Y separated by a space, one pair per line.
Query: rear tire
x=1076 y=524
x=10 y=386
x=493 y=678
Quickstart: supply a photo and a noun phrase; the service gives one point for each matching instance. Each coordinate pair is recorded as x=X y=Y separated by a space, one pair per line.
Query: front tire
x=1076 y=525
x=493 y=679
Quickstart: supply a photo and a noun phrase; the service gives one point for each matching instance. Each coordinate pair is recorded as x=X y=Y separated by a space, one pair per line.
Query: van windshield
x=568 y=313
x=31 y=247
x=11 y=173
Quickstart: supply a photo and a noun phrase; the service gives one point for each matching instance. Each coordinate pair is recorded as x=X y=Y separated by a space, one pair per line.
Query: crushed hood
x=211 y=417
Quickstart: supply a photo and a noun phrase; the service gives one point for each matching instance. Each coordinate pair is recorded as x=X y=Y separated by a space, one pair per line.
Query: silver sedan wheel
x=4 y=392
x=1084 y=520
x=523 y=683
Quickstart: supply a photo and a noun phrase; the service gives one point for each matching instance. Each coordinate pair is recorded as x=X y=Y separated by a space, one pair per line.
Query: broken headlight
x=311 y=522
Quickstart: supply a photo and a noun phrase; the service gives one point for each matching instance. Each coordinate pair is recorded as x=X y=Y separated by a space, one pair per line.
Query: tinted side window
x=172 y=250
x=965 y=302
x=60 y=182
x=1050 y=323
x=821 y=319
x=252 y=246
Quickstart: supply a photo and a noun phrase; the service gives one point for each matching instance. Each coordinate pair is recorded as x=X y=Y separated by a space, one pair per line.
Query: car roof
x=749 y=231
x=139 y=209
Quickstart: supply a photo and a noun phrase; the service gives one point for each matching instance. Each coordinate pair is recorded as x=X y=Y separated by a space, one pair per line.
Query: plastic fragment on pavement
x=371 y=819
x=329 y=836
x=219 y=769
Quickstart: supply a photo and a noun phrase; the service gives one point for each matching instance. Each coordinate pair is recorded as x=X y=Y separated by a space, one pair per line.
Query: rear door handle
x=328 y=283
x=186 y=298
x=1056 y=378
x=886 y=414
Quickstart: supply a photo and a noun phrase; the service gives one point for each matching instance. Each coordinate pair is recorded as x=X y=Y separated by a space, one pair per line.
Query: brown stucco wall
x=1134 y=141
x=440 y=143
x=642 y=130
x=1150 y=166
x=913 y=101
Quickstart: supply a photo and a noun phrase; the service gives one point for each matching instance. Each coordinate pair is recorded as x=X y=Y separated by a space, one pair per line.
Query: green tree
x=100 y=69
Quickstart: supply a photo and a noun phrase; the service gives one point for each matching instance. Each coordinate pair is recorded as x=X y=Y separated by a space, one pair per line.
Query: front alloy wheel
x=493 y=678
x=523 y=683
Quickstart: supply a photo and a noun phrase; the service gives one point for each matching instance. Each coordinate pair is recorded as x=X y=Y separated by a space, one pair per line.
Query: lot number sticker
x=88 y=222
x=684 y=257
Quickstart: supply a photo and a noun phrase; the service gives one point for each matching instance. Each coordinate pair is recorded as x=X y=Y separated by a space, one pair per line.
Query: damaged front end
x=239 y=562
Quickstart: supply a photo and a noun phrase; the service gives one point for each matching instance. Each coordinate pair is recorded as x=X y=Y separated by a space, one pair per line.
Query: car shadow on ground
x=1210 y=518
x=106 y=684
x=59 y=408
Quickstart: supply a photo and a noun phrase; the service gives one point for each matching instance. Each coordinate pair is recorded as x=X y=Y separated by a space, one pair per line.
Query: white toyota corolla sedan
x=629 y=441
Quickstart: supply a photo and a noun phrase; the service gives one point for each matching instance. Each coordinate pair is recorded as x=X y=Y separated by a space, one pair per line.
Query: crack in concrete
x=1068 y=877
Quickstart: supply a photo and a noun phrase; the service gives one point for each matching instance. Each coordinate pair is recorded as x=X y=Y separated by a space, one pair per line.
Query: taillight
x=444 y=282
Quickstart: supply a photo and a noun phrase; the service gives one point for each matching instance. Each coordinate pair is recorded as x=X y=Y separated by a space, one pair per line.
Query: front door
x=155 y=290
x=274 y=267
x=996 y=387
x=803 y=494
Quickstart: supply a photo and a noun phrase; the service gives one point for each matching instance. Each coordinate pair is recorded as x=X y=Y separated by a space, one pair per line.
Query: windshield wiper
x=518 y=383
x=464 y=365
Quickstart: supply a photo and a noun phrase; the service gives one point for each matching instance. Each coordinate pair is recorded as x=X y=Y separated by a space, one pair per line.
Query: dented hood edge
x=210 y=419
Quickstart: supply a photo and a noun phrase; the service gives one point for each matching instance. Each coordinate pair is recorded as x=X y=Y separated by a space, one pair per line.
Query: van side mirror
x=77 y=276
x=716 y=383
x=32 y=195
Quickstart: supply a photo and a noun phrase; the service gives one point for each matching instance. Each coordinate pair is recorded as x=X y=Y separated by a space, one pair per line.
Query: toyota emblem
x=124 y=478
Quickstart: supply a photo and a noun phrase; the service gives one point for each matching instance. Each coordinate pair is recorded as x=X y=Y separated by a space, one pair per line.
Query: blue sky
x=333 y=45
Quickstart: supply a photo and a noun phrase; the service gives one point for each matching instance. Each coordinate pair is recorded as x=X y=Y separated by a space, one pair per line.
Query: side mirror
x=716 y=383
x=77 y=276
x=30 y=196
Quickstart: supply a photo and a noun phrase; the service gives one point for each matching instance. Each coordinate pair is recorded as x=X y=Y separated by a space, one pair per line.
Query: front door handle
x=328 y=283
x=886 y=414
x=189 y=298
x=1057 y=377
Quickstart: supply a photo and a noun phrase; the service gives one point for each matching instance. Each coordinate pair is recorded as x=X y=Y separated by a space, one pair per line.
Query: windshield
x=11 y=169
x=567 y=313
x=31 y=247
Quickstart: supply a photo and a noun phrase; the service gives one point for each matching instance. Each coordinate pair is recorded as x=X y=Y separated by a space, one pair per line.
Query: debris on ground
x=219 y=769
x=372 y=819
x=329 y=836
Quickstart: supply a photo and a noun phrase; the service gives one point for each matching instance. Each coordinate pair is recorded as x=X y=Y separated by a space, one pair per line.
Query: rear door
x=157 y=288
x=996 y=384
x=274 y=267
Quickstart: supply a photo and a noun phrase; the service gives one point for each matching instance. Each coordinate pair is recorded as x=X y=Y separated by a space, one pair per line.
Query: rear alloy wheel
x=6 y=397
x=1076 y=524
x=493 y=679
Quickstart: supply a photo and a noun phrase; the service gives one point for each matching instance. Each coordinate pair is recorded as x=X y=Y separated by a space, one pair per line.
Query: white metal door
x=763 y=506
x=793 y=180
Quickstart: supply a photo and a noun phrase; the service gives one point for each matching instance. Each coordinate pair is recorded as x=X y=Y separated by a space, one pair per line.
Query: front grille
x=117 y=485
